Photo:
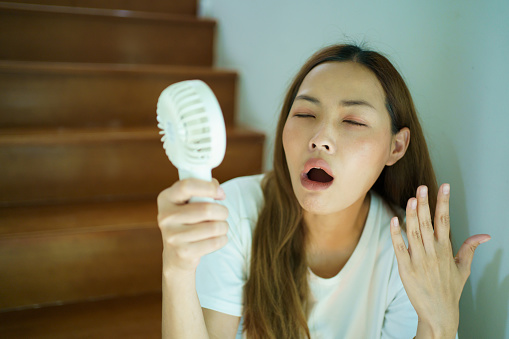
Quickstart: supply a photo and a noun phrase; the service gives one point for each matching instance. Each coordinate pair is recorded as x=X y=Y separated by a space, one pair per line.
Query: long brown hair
x=276 y=292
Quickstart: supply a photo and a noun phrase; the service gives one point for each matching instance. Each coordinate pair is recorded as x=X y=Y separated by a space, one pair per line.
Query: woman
x=314 y=248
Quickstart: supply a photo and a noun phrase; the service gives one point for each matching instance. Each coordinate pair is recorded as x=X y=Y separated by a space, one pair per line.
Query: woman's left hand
x=432 y=277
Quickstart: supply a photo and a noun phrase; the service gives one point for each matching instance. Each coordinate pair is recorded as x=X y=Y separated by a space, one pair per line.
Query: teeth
x=319 y=168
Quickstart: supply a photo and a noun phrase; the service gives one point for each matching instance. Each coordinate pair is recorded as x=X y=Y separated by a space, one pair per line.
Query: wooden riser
x=53 y=94
x=42 y=33
x=79 y=265
x=130 y=318
x=77 y=165
x=183 y=7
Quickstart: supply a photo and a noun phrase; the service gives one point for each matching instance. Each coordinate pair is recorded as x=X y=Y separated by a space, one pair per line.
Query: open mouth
x=316 y=175
x=319 y=175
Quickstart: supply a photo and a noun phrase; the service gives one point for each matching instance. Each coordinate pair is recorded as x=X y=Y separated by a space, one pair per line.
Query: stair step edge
x=49 y=136
x=58 y=66
x=103 y=12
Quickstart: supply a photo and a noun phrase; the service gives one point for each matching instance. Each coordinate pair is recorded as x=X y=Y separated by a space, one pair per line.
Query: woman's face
x=337 y=137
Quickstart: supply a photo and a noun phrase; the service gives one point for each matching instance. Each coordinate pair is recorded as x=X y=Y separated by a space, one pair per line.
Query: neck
x=338 y=231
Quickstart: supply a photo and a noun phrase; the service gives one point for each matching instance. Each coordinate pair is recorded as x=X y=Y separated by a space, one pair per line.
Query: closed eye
x=355 y=123
x=304 y=115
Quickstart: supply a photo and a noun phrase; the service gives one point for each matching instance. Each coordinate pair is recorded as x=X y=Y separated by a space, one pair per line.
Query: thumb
x=220 y=195
x=466 y=252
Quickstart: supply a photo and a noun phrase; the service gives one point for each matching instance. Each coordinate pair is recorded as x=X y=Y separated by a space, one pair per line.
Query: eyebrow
x=307 y=98
x=345 y=103
x=348 y=103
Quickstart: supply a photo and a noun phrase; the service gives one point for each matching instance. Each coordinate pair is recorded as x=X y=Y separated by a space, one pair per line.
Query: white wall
x=454 y=56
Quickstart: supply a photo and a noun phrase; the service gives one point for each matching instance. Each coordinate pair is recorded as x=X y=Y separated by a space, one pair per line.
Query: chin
x=323 y=204
x=319 y=205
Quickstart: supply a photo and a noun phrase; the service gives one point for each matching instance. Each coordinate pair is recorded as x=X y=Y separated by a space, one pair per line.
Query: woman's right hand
x=190 y=230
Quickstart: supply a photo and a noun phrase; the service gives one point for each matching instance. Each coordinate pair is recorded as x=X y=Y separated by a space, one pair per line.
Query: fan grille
x=193 y=120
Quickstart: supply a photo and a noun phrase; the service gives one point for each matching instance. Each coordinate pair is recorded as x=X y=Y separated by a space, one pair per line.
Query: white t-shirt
x=366 y=299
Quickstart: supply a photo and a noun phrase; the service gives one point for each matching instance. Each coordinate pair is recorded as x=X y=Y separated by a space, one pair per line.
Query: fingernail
x=423 y=191
x=446 y=189
x=413 y=204
x=484 y=240
x=395 y=223
x=220 y=193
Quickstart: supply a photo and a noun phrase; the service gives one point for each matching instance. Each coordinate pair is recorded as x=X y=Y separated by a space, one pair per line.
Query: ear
x=399 y=145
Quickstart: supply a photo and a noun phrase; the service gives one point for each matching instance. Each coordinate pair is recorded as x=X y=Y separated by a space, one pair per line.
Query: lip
x=317 y=163
x=314 y=185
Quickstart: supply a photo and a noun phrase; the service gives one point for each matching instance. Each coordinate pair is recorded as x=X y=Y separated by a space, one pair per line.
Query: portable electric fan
x=192 y=125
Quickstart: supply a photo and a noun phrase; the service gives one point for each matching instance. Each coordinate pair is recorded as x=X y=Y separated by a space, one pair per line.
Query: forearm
x=182 y=315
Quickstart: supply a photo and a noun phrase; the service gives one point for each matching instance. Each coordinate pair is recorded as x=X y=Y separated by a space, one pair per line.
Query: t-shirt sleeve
x=221 y=275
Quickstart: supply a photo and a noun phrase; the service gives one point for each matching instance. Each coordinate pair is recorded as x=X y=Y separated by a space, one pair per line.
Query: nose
x=323 y=140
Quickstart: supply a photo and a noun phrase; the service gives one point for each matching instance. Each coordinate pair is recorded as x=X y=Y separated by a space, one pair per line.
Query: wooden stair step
x=182 y=7
x=67 y=253
x=59 y=165
x=42 y=94
x=136 y=317
x=72 y=34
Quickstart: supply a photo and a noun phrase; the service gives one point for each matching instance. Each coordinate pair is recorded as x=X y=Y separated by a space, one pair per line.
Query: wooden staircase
x=81 y=162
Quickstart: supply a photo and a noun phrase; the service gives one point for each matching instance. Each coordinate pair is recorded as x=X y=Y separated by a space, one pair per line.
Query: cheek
x=287 y=137
x=371 y=152
x=291 y=147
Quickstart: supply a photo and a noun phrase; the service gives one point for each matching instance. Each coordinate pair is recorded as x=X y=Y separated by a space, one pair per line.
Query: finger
x=466 y=252
x=193 y=213
x=221 y=195
x=200 y=248
x=197 y=232
x=413 y=231
x=181 y=191
x=442 y=218
x=399 y=244
x=425 y=224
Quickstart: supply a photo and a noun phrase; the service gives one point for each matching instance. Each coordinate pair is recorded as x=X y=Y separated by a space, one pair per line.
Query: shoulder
x=386 y=256
x=221 y=275
x=384 y=212
x=386 y=209
x=244 y=196
x=251 y=184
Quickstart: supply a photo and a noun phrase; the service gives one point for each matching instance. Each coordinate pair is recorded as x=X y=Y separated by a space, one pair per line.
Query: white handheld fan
x=192 y=125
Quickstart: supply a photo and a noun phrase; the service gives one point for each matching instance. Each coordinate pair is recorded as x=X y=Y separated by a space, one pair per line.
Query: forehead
x=343 y=81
